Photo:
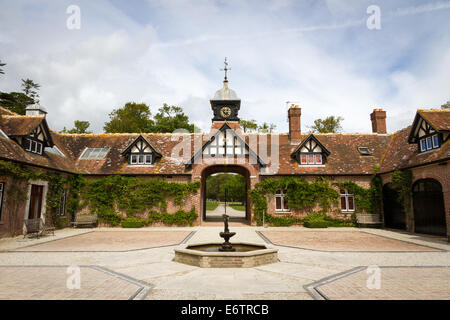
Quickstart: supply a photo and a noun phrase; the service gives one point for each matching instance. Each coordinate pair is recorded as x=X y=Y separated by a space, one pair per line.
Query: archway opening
x=394 y=212
x=225 y=189
x=429 y=210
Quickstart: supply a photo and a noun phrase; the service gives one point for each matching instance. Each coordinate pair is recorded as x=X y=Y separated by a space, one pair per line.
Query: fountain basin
x=207 y=255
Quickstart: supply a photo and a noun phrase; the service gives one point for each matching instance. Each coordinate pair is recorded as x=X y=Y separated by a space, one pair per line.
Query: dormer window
x=311 y=158
x=141 y=153
x=140 y=159
x=32 y=146
x=311 y=152
x=429 y=130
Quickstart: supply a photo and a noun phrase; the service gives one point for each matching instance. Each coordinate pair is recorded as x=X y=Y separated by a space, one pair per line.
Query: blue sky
x=319 y=54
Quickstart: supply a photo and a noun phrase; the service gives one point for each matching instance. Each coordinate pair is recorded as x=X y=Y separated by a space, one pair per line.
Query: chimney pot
x=378 y=118
x=294 y=115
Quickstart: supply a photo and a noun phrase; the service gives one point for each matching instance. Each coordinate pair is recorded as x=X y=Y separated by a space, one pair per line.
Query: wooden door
x=35 y=202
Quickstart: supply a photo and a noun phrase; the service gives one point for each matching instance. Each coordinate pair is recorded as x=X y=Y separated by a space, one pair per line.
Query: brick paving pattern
x=413 y=283
x=112 y=241
x=41 y=283
x=340 y=241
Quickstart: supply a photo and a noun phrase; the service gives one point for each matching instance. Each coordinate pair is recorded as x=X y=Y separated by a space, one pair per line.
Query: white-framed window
x=33 y=146
x=140 y=158
x=62 y=203
x=423 y=145
x=347 y=201
x=435 y=141
x=311 y=158
x=429 y=143
x=281 y=202
x=2 y=191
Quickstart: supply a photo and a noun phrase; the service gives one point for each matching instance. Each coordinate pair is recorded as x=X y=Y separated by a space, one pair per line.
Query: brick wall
x=335 y=212
x=440 y=173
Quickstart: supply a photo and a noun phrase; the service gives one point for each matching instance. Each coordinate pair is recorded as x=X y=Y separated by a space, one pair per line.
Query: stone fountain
x=226 y=255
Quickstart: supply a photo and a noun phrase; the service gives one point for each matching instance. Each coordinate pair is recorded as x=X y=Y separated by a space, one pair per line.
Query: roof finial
x=225 y=69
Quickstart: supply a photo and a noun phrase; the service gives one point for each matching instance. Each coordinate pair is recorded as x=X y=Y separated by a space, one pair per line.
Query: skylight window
x=94 y=153
x=55 y=150
x=364 y=151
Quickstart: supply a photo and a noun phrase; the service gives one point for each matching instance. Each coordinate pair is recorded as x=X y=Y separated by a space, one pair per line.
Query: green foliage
x=315 y=221
x=248 y=125
x=237 y=207
x=136 y=117
x=267 y=127
x=15 y=101
x=233 y=183
x=2 y=65
x=446 y=105
x=79 y=127
x=133 y=195
x=402 y=183
x=180 y=217
x=281 y=221
x=211 y=205
x=330 y=124
x=30 y=88
x=133 y=117
x=171 y=118
x=56 y=184
x=300 y=194
x=132 y=222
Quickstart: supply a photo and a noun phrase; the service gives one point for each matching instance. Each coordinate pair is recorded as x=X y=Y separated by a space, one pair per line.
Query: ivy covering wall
x=102 y=196
x=17 y=192
x=137 y=197
x=316 y=197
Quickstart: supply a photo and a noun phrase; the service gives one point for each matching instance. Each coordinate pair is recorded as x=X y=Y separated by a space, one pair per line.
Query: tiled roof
x=344 y=156
x=401 y=154
x=19 y=125
x=438 y=118
x=392 y=151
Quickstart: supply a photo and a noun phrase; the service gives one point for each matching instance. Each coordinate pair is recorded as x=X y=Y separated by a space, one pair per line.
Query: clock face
x=225 y=112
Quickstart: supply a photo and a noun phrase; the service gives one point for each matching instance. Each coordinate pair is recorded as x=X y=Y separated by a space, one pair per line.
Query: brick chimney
x=294 y=115
x=378 y=117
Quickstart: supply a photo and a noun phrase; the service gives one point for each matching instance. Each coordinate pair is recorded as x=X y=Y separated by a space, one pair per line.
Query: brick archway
x=221 y=168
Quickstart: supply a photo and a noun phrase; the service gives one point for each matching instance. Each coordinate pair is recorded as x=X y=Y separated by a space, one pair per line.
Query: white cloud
x=277 y=53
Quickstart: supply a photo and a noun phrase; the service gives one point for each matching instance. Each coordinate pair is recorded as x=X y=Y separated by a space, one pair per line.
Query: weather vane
x=226 y=68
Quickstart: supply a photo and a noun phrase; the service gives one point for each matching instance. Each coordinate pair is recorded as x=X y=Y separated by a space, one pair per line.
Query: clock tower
x=225 y=104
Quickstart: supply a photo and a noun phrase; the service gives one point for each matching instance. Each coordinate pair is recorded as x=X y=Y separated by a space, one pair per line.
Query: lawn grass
x=238 y=207
x=211 y=205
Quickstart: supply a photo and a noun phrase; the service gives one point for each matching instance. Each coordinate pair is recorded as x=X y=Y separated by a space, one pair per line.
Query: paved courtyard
x=313 y=264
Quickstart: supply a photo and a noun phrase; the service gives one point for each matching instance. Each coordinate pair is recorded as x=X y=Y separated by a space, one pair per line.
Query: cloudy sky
x=319 y=54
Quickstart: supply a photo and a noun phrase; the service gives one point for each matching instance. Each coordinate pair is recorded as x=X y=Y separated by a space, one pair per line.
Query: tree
x=248 y=125
x=132 y=118
x=170 y=118
x=233 y=183
x=446 y=105
x=267 y=127
x=330 y=124
x=80 y=127
x=15 y=101
x=2 y=65
x=30 y=88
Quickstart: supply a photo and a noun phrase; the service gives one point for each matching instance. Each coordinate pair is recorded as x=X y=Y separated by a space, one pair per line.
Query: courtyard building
x=28 y=143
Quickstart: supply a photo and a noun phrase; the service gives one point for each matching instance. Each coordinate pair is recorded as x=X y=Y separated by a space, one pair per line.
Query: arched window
x=281 y=201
